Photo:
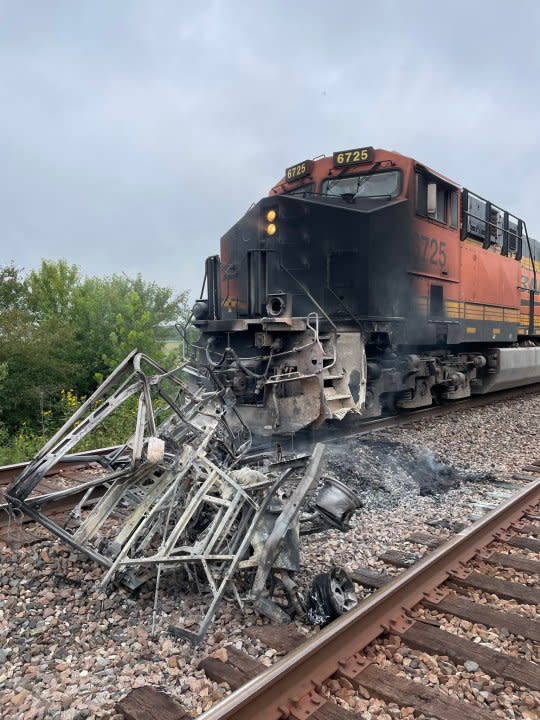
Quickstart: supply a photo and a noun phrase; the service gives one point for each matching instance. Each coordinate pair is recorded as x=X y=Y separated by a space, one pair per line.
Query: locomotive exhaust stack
x=367 y=281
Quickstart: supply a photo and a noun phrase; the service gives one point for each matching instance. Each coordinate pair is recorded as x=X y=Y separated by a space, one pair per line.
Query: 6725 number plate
x=353 y=157
x=300 y=170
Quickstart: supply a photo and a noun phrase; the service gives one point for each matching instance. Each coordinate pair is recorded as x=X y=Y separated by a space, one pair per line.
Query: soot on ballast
x=381 y=472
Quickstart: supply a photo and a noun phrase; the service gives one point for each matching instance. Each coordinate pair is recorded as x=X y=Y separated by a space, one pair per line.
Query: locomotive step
x=333 y=393
x=341 y=397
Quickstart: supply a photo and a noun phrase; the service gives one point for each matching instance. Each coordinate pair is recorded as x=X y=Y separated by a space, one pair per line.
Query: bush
x=58 y=330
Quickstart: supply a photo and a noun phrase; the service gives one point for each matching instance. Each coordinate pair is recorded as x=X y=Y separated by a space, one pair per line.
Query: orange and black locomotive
x=366 y=280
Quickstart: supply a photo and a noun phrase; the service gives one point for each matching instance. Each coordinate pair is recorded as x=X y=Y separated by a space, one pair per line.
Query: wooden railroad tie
x=525 y=543
x=424 y=538
x=378 y=681
x=462 y=607
x=240 y=668
x=517 y=562
x=504 y=589
x=467 y=609
x=530 y=529
x=425 y=637
x=433 y=703
x=147 y=703
x=399 y=559
x=281 y=638
x=370 y=578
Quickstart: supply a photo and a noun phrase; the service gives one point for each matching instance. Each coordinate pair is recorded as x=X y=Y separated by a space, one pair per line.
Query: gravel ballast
x=69 y=652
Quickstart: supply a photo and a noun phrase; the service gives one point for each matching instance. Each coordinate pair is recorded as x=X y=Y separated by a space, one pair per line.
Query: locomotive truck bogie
x=366 y=280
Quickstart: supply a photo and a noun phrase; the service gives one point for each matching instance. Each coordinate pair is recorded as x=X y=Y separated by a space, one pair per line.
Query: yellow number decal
x=348 y=156
x=356 y=156
x=340 y=158
x=303 y=167
x=364 y=154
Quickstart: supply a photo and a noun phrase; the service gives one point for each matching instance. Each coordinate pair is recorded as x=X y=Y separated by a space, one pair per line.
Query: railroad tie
x=428 y=638
x=517 y=562
x=369 y=578
x=525 y=543
x=424 y=538
x=462 y=607
x=399 y=559
x=533 y=468
x=147 y=703
x=281 y=638
x=240 y=667
x=466 y=609
x=530 y=529
x=433 y=703
x=505 y=589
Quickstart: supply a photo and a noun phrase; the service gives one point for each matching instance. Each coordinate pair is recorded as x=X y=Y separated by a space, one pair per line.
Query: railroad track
x=64 y=476
x=303 y=684
x=354 y=426
x=446 y=580
x=350 y=427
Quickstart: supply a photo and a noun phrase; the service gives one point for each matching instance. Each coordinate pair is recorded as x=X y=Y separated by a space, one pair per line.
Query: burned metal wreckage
x=185 y=496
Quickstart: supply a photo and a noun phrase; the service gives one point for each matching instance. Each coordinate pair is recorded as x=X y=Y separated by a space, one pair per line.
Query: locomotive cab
x=345 y=290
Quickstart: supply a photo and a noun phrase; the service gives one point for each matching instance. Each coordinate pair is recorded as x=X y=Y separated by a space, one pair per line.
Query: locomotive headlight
x=271 y=229
x=271 y=215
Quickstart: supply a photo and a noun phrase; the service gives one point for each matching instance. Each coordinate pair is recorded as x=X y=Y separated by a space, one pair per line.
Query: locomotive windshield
x=379 y=185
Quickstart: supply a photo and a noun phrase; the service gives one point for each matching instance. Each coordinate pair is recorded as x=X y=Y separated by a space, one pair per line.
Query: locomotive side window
x=476 y=213
x=421 y=194
x=453 y=209
x=435 y=200
x=513 y=236
x=496 y=226
x=440 y=208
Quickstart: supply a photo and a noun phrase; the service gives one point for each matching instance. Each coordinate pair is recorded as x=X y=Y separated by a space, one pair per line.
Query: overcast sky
x=134 y=134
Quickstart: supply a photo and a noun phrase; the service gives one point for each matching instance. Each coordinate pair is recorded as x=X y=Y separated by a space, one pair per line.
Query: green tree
x=116 y=314
x=59 y=329
x=50 y=290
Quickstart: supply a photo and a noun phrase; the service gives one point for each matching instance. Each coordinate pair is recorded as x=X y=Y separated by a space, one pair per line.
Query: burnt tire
x=331 y=594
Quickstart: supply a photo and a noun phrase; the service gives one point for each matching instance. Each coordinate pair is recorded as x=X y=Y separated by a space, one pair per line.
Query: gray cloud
x=132 y=135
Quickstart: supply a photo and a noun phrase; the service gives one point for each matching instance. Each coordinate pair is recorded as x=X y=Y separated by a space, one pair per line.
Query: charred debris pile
x=385 y=473
x=184 y=499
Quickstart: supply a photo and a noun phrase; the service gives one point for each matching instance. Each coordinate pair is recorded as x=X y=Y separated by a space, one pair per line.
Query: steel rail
x=341 y=431
x=270 y=695
x=57 y=500
x=363 y=427
x=10 y=472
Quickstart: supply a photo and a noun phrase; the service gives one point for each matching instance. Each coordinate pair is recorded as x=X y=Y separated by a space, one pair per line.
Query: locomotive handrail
x=314 y=330
x=531 y=257
x=489 y=226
